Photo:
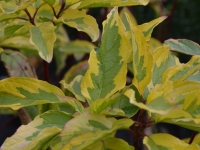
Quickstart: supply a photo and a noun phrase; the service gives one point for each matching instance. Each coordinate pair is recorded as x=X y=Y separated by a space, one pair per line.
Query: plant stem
x=61 y=9
x=169 y=20
x=29 y=16
x=46 y=71
x=23 y=115
x=192 y=137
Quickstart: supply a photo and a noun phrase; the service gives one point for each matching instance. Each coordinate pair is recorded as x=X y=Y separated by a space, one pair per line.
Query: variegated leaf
x=87 y=129
x=123 y=17
x=147 y=28
x=17 y=64
x=38 y=132
x=13 y=6
x=163 y=59
x=78 y=69
x=187 y=116
x=77 y=46
x=112 y=144
x=81 y=21
x=107 y=63
x=43 y=37
x=183 y=71
x=154 y=44
x=110 y=3
x=75 y=87
x=166 y=97
x=166 y=141
x=183 y=46
x=142 y=58
x=16 y=93
x=18 y=42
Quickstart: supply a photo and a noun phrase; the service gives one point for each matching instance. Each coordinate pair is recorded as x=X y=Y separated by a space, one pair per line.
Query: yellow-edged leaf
x=87 y=129
x=183 y=71
x=154 y=44
x=123 y=17
x=108 y=63
x=43 y=37
x=110 y=3
x=168 y=142
x=147 y=28
x=38 y=132
x=142 y=59
x=82 y=22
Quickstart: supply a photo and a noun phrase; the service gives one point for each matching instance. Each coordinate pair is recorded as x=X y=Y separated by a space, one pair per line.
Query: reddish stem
x=192 y=137
x=169 y=20
x=46 y=71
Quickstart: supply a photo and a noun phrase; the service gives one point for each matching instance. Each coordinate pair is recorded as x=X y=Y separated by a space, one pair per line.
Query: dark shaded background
x=183 y=22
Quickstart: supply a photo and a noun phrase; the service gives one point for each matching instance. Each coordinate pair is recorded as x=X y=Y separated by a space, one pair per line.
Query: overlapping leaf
x=107 y=63
x=111 y=143
x=187 y=116
x=168 y=142
x=77 y=46
x=163 y=59
x=183 y=46
x=75 y=87
x=166 y=97
x=43 y=37
x=87 y=129
x=154 y=44
x=17 y=65
x=38 y=132
x=123 y=17
x=182 y=72
x=81 y=21
x=147 y=28
x=13 y=6
x=16 y=93
x=110 y=3
x=142 y=58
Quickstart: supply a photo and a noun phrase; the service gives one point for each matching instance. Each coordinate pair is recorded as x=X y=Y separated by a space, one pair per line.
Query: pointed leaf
x=82 y=22
x=164 y=59
x=78 y=69
x=107 y=63
x=43 y=37
x=183 y=71
x=16 y=93
x=20 y=92
x=17 y=65
x=147 y=28
x=123 y=17
x=41 y=130
x=142 y=58
x=166 y=141
x=110 y=3
x=87 y=129
x=75 y=87
x=183 y=46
